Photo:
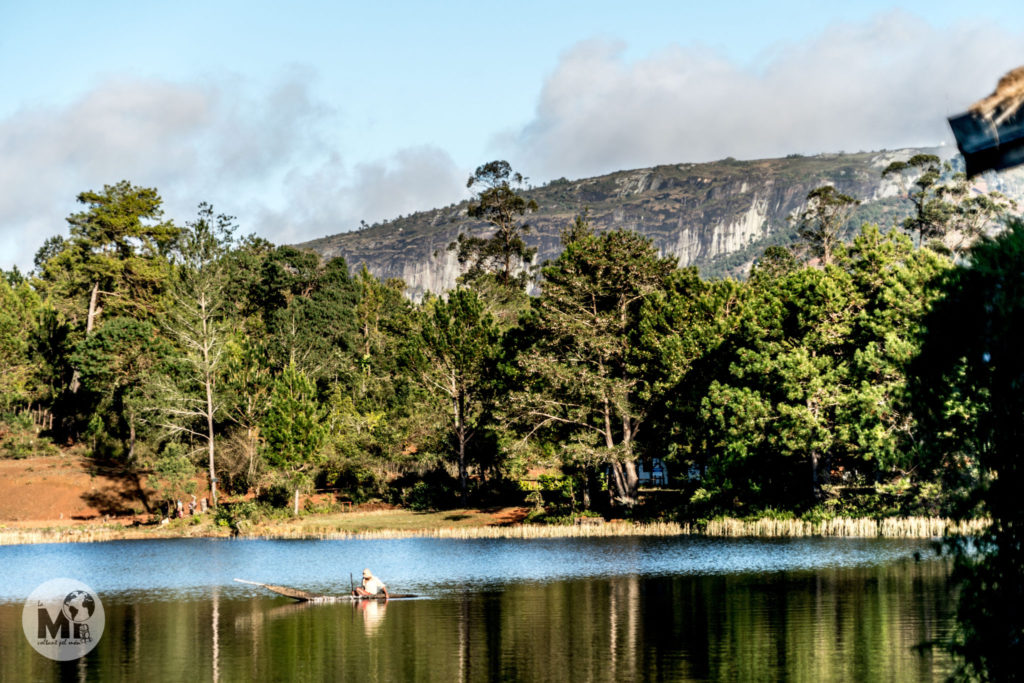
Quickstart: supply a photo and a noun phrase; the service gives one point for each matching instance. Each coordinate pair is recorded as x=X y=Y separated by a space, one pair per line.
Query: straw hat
x=367 y=574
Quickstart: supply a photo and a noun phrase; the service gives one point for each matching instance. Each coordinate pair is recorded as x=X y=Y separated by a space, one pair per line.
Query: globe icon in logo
x=63 y=619
x=78 y=606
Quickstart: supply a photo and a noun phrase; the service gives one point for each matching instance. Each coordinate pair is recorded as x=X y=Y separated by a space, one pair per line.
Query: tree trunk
x=631 y=479
x=463 y=478
x=208 y=381
x=90 y=322
x=209 y=439
x=815 y=489
x=460 y=435
x=94 y=309
x=587 y=476
x=296 y=501
x=131 y=440
x=625 y=482
x=251 y=445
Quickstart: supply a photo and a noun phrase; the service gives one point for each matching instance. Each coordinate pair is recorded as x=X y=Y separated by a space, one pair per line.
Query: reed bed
x=908 y=527
x=522 y=531
x=68 y=535
x=846 y=527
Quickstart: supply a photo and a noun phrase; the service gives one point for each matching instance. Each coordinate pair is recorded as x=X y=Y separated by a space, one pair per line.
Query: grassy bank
x=470 y=524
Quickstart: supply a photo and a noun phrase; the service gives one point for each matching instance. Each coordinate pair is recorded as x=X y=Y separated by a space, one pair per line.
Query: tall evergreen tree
x=247 y=383
x=948 y=211
x=822 y=220
x=308 y=313
x=686 y=342
x=896 y=291
x=776 y=415
x=499 y=203
x=116 y=256
x=581 y=372
x=931 y=212
x=816 y=373
x=114 y=261
x=459 y=342
x=294 y=430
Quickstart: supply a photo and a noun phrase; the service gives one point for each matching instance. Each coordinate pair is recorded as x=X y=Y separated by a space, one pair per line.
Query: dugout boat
x=307 y=596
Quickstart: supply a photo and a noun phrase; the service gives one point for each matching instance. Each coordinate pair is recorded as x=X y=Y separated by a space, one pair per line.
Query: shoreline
x=312 y=528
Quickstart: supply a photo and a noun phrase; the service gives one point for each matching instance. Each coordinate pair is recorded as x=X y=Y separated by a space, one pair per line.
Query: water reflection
x=624 y=599
x=373 y=614
x=215 y=629
x=189 y=567
x=849 y=623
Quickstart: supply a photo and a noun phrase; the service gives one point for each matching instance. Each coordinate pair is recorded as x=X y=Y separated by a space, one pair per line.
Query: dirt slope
x=66 y=488
x=70 y=489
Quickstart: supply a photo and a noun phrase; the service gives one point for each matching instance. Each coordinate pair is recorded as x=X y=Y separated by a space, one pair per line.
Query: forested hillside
x=179 y=349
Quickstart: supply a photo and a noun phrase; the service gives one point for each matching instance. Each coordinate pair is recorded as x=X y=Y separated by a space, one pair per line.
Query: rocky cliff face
x=717 y=216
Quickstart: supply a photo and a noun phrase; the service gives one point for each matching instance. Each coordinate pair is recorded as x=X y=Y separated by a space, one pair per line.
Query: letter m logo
x=48 y=626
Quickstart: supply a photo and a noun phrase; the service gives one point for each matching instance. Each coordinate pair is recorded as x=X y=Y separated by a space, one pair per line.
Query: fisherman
x=371 y=587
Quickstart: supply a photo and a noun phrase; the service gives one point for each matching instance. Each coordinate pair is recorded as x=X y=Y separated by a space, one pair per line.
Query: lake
x=602 y=609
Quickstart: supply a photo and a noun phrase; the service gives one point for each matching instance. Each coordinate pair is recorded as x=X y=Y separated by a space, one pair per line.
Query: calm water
x=538 y=610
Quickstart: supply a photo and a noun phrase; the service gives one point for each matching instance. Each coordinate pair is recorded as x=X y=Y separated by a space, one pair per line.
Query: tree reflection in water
x=835 y=624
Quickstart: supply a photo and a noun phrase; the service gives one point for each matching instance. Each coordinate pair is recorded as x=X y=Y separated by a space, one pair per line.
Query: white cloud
x=889 y=83
x=332 y=198
x=271 y=158
x=267 y=158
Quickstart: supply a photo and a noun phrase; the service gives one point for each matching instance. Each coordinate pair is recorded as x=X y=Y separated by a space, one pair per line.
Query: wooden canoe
x=306 y=596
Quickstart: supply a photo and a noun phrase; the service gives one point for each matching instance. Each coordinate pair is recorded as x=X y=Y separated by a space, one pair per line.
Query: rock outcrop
x=717 y=216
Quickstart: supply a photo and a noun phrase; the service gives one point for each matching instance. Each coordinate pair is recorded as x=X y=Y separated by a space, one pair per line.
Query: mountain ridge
x=717 y=216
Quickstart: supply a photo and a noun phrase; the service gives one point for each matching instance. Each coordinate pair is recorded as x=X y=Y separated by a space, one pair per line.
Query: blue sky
x=304 y=119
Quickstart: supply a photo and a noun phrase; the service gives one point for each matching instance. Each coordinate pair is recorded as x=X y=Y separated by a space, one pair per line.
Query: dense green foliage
x=968 y=382
x=294 y=429
x=276 y=371
x=581 y=384
x=453 y=360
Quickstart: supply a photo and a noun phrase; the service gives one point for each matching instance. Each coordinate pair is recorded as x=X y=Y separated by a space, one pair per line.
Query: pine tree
x=501 y=205
x=581 y=373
